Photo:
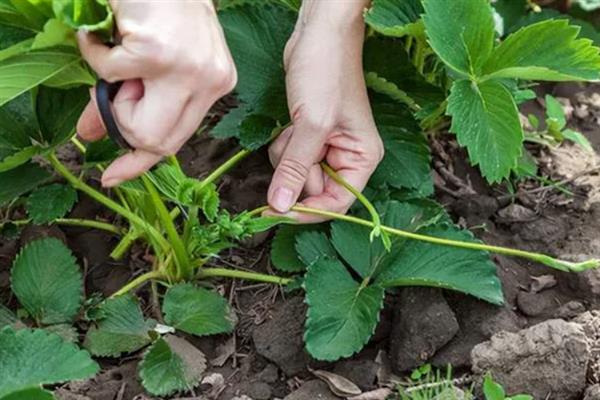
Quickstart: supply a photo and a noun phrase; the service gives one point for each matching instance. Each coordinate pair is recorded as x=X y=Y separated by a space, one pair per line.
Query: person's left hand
x=331 y=117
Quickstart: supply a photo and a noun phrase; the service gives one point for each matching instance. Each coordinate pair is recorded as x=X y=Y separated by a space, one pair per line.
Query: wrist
x=337 y=15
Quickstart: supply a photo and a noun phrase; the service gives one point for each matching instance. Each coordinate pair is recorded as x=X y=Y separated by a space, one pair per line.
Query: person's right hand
x=175 y=64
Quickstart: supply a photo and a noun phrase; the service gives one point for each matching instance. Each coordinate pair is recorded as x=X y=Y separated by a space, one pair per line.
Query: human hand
x=175 y=64
x=330 y=112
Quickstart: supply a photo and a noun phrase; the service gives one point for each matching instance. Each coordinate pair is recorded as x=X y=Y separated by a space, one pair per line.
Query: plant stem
x=552 y=262
x=87 y=223
x=250 y=276
x=114 y=206
x=83 y=150
x=124 y=245
x=181 y=256
x=237 y=157
x=226 y=166
x=364 y=201
x=138 y=281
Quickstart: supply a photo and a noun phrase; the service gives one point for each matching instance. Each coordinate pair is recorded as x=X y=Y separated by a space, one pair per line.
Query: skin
x=172 y=77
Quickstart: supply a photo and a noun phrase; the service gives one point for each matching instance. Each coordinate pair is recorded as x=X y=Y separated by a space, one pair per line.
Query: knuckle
x=293 y=170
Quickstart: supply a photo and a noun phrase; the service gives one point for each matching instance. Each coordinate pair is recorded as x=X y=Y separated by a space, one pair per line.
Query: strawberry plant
x=421 y=70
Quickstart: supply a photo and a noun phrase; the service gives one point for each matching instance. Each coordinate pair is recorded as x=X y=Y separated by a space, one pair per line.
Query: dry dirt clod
x=339 y=385
x=423 y=323
x=312 y=390
x=542 y=282
x=548 y=358
x=281 y=338
x=592 y=392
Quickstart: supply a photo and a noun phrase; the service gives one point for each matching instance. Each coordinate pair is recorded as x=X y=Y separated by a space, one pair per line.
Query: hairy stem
x=545 y=259
x=182 y=260
x=139 y=281
x=377 y=231
x=537 y=257
x=106 y=201
x=226 y=166
x=236 y=158
x=249 y=276
x=88 y=223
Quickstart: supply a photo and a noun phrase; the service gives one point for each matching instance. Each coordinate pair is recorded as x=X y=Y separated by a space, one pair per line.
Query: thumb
x=290 y=175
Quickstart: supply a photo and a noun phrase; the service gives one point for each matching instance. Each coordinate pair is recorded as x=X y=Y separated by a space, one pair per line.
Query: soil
x=265 y=359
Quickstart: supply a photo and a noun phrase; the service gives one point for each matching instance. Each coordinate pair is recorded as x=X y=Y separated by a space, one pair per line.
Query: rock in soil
x=590 y=321
x=312 y=390
x=422 y=324
x=362 y=372
x=542 y=304
x=550 y=358
x=280 y=339
x=592 y=393
x=478 y=321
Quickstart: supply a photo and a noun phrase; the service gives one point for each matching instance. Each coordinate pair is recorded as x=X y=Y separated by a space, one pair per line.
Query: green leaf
x=406 y=148
x=393 y=18
x=419 y=263
x=121 y=328
x=511 y=11
x=66 y=331
x=555 y=111
x=177 y=187
x=387 y=60
x=587 y=29
x=18 y=158
x=229 y=125
x=283 y=248
x=36 y=13
x=460 y=32
x=36 y=357
x=41 y=65
x=197 y=311
x=7 y=317
x=171 y=365
x=18 y=127
x=548 y=50
x=485 y=120
x=578 y=138
x=89 y=15
x=55 y=33
x=256 y=35
x=34 y=393
x=256 y=131
x=11 y=17
x=101 y=151
x=312 y=246
x=342 y=314
x=526 y=166
x=21 y=180
x=353 y=242
x=58 y=111
x=47 y=281
x=521 y=397
x=50 y=202
x=491 y=389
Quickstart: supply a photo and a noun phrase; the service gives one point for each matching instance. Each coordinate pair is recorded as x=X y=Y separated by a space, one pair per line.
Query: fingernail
x=283 y=199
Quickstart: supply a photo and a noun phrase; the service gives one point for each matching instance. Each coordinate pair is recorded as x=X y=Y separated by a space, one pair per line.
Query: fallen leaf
x=339 y=385
x=378 y=394
x=224 y=351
